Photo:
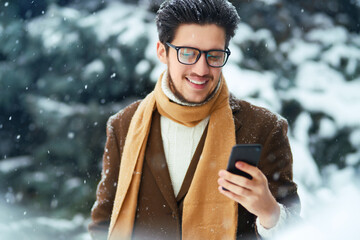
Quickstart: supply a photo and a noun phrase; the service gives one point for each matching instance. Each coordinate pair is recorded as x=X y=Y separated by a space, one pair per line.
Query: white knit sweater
x=180 y=143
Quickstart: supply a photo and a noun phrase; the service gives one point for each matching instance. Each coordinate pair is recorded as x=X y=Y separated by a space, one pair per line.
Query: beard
x=181 y=97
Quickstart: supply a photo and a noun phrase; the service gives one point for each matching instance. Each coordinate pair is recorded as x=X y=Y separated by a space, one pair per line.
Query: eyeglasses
x=190 y=55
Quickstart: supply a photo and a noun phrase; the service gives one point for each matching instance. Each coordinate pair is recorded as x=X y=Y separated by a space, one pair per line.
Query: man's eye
x=186 y=52
x=215 y=58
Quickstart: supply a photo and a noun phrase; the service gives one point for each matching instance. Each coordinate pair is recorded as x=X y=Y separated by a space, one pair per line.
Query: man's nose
x=201 y=67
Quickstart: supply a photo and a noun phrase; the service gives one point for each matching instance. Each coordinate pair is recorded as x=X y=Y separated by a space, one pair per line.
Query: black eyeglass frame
x=177 y=48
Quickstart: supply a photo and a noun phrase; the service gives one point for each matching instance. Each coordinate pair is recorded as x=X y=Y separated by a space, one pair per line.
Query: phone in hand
x=249 y=153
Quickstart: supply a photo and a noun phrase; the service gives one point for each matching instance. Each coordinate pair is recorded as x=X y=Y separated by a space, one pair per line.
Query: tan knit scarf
x=207 y=214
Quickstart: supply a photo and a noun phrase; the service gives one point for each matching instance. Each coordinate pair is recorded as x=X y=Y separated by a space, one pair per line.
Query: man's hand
x=252 y=194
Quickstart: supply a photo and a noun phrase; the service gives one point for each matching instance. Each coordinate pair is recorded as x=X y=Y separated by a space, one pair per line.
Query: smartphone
x=249 y=153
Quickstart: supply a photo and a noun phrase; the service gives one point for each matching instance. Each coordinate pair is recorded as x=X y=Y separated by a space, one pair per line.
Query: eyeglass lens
x=190 y=56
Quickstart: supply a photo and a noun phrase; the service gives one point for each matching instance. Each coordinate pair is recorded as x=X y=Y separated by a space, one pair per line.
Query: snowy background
x=67 y=65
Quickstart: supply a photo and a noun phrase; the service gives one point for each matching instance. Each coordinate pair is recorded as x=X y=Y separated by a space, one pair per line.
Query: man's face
x=193 y=83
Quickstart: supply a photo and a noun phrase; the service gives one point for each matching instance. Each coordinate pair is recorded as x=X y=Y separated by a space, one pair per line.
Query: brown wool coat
x=252 y=125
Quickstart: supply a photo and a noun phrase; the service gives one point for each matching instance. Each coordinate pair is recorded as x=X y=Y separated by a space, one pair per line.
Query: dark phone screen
x=249 y=153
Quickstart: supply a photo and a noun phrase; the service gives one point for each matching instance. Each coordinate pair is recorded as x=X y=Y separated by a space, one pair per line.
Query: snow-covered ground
x=331 y=212
x=18 y=223
x=330 y=196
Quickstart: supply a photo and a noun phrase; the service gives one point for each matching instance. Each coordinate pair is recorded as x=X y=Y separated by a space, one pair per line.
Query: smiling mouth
x=197 y=82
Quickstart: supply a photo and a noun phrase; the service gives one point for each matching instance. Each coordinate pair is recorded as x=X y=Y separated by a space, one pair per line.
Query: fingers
x=242 y=186
x=231 y=195
x=253 y=194
x=253 y=171
x=233 y=188
x=236 y=179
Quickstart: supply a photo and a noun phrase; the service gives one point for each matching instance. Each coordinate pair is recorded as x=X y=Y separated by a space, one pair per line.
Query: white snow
x=330 y=103
x=308 y=77
x=323 y=21
x=269 y=2
x=266 y=36
x=300 y=51
x=93 y=68
x=115 y=19
x=52 y=106
x=40 y=227
x=244 y=84
x=16 y=163
x=305 y=170
x=353 y=158
x=135 y=29
x=243 y=33
x=355 y=138
x=330 y=225
x=328 y=128
x=340 y=51
x=236 y=55
x=142 y=67
x=108 y=22
x=333 y=211
x=115 y=54
x=157 y=71
x=328 y=36
x=72 y=183
x=323 y=89
x=48 y=27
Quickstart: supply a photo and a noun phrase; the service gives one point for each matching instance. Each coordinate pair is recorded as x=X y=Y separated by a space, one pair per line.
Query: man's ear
x=161 y=52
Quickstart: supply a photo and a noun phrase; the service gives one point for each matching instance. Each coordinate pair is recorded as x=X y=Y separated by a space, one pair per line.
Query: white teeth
x=197 y=82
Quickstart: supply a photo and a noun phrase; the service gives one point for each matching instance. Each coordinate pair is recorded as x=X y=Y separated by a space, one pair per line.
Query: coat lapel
x=155 y=159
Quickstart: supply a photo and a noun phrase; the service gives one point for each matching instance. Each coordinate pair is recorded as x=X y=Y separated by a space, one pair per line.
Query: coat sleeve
x=277 y=165
x=106 y=189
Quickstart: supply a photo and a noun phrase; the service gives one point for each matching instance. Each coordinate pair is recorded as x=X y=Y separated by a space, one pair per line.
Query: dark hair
x=172 y=13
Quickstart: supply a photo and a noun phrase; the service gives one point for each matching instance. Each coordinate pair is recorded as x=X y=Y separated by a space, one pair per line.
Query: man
x=164 y=160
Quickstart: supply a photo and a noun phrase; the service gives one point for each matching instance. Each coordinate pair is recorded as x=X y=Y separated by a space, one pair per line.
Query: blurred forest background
x=67 y=65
